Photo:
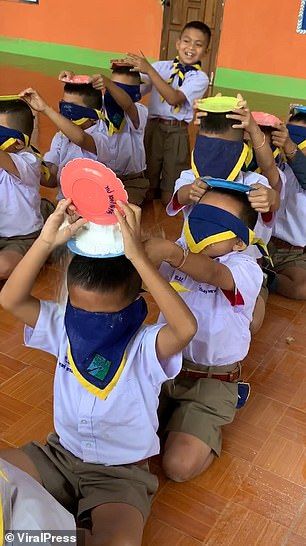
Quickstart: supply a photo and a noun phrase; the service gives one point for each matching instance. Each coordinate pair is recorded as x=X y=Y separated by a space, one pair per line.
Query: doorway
x=177 y=13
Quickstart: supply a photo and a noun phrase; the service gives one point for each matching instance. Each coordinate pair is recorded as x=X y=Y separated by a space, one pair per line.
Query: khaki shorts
x=20 y=243
x=80 y=486
x=198 y=407
x=167 y=152
x=136 y=186
x=287 y=257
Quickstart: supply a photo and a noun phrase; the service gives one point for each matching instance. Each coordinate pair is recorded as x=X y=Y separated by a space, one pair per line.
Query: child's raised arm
x=72 y=131
x=119 y=95
x=172 y=96
x=181 y=324
x=16 y=294
x=199 y=267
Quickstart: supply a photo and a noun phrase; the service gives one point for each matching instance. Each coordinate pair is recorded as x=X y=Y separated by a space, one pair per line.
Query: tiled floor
x=255 y=494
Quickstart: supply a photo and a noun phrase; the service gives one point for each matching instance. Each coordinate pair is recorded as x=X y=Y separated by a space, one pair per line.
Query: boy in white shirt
x=220 y=284
x=81 y=129
x=174 y=86
x=220 y=152
x=108 y=377
x=20 y=217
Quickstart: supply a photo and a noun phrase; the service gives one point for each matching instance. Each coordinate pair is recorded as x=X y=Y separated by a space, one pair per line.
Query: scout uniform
x=166 y=137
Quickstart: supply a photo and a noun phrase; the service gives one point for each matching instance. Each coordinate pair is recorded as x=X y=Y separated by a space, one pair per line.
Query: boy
x=108 y=377
x=221 y=152
x=124 y=121
x=126 y=118
x=20 y=217
x=174 y=86
x=220 y=284
x=81 y=131
x=292 y=140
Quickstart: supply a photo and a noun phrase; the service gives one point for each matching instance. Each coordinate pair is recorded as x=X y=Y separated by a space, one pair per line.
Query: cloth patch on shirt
x=99 y=367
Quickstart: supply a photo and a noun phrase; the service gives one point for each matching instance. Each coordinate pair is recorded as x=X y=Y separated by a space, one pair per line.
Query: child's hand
x=53 y=234
x=130 y=229
x=281 y=139
x=157 y=249
x=244 y=116
x=197 y=189
x=261 y=198
x=97 y=82
x=33 y=99
x=140 y=63
x=66 y=75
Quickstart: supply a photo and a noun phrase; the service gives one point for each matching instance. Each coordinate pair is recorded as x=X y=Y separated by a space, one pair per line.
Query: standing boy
x=174 y=86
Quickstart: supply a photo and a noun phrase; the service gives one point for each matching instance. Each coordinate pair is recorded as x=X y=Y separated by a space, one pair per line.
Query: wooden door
x=179 y=12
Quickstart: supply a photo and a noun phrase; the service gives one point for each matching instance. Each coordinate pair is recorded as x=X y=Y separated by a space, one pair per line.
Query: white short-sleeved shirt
x=263 y=229
x=19 y=196
x=290 y=223
x=27 y=505
x=127 y=147
x=122 y=428
x=223 y=335
x=63 y=150
x=194 y=86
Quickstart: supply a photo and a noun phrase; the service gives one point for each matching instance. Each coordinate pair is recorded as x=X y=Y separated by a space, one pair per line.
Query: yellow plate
x=218 y=105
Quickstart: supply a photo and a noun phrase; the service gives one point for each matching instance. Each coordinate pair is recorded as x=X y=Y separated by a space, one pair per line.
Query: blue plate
x=226 y=184
x=300 y=109
x=73 y=248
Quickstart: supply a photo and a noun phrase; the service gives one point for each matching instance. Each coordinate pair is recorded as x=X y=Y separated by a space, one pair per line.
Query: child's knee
x=116 y=538
x=258 y=315
x=180 y=467
x=6 y=267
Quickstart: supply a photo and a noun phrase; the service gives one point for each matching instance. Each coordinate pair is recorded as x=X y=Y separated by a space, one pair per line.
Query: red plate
x=94 y=190
x=266 y=120
x=77 y=79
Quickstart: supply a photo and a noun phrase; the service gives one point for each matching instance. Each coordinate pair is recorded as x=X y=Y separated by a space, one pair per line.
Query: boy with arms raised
x=174 y=86
x=20 y=217
x=108 y=377
x=220 y=284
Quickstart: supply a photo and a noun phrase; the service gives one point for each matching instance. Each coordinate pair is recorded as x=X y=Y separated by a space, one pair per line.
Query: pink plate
x=94 y=190
x=77 y=79
x=267 y=120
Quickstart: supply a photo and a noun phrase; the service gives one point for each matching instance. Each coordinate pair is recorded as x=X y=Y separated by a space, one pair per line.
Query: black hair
x=299 y=116
x=92 y=97
x=20 y=114
x=128 y=71
x=216 y=123
x=105 y=275
x=247 y=214
x=198 y=25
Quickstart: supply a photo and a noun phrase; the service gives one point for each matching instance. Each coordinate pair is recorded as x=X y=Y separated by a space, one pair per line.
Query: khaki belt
x=230 y=375
x=170 y=122
x=279 y=243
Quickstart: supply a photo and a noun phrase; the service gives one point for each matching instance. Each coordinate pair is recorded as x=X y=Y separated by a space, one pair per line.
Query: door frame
x=213 y=46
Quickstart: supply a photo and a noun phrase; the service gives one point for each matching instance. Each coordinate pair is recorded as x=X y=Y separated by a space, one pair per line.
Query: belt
x=279 y=243
x=142 y=462
x=170 y=122
x=131 y=176
x=229 y=377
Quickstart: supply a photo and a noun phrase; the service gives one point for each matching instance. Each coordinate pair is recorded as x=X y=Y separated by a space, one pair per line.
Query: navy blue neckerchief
x=219 y=158
x=98 y=342
x=114 y=112
x=297 y=133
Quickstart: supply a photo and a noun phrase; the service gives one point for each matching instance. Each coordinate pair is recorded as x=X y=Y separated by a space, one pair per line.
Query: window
x=301 y=26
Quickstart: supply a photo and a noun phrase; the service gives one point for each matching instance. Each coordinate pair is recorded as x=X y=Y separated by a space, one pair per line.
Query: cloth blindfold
x=114 y=113
x=79 y=114
x=207 y=225
x=98 y=342
x=297 y=133
x=219 y=158
x=8 y=137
